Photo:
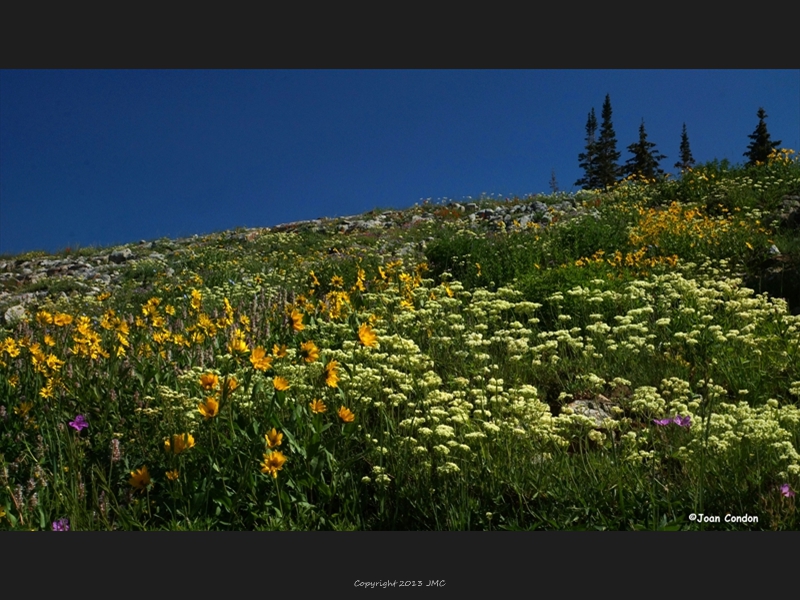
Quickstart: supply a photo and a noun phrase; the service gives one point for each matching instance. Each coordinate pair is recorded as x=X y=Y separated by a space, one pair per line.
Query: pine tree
x=588 y=159
x=608 y=171
x=761 y=146
x=687 y=160
x=644 y=163
x=553 y=181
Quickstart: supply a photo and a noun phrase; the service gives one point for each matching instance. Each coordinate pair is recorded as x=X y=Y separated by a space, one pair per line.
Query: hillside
x=616 y=359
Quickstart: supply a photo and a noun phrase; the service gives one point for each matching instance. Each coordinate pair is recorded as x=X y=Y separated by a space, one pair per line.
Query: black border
x=543 y=564
x=678 y=35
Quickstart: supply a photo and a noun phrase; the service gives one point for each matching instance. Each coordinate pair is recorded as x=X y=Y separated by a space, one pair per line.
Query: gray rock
x=15 y=314
x=538 y=207
x=598 y=409
x=120 y=256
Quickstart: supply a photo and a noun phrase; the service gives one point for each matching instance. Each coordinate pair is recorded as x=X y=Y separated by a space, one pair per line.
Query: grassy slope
x=513 y=381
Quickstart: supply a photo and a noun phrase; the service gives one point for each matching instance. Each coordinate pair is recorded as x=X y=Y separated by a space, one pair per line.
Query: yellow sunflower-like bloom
x=309 y=351
x=209 y=381
x=331 y=374
x=346 y=415
x=237 y=344
x=367 y=336
x=62 y=319
x=280 y=383
x=209 y=408
x=317 y=406
x=179 y=443
x=274 y=438
x=140 y=478
x=260 y=360
x=44 y=317
x=297 y=320
x=272 y=463
x=197 y=298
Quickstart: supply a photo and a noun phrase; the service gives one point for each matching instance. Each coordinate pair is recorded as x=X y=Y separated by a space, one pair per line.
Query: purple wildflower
x=61 y=525
x=683 y=421
x=79 y=423
x=677 y=420
x=787 y=491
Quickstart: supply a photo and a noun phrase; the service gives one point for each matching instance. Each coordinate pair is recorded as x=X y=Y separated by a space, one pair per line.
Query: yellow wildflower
x=309 y=351
x=197 y=298
x=23 y=409
x=209 y=381
x=260 y=360
x=237 y=344
x=274 y=438
x=10 y=347
x=44 y=317
x=280 y=383
x=179 y=443
x=62 y=319
x=367 y=336
x=346 y=415
x=209 y=408
x=331 y=375
x=297 y=320
x=273 y=462
x=140 y=478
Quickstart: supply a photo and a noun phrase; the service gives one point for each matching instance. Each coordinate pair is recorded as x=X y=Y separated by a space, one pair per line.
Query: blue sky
x=100 y=157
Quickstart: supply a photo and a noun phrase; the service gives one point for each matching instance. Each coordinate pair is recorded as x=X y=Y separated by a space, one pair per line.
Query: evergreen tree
x=687 y=160
x=553 y=181
x=644 y=162
x=762 y=145
x=588 y=159
x=608 y=171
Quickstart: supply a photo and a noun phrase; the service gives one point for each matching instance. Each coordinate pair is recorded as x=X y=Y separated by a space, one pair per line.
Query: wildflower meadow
x=635 y=366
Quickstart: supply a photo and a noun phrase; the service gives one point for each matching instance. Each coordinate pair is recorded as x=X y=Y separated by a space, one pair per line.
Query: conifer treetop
x=761 y=146
x=588 y=160
x=686 y=159
x=608 y=170
x=645 y=159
